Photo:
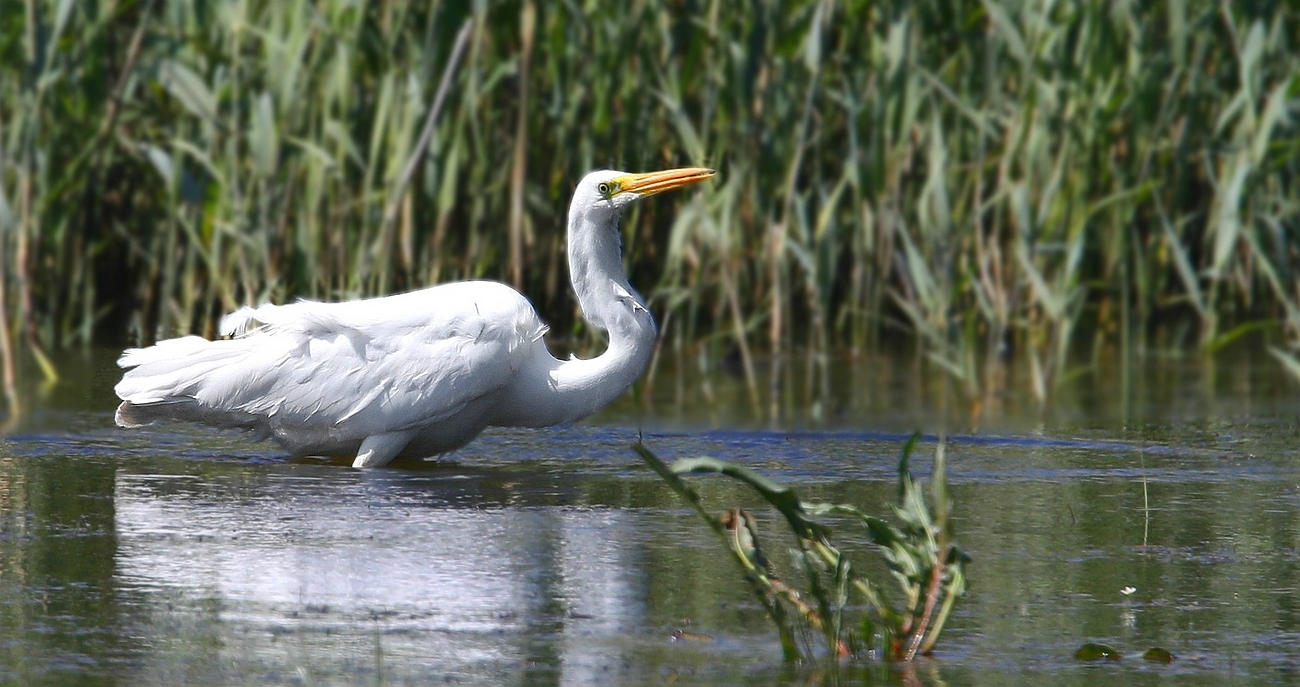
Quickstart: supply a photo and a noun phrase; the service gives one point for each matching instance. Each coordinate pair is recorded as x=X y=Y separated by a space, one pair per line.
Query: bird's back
x=321 y=378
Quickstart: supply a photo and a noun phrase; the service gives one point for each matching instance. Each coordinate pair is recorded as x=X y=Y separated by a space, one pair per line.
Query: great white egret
x=415 y=374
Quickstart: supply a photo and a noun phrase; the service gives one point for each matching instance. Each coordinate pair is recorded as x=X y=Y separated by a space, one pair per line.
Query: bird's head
x=595 y=253
x=612 y=191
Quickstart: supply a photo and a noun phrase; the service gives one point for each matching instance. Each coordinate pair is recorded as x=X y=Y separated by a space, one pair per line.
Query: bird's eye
x=605 y=188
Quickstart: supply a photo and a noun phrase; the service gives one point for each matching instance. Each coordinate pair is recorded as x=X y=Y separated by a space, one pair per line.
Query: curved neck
x=557 y=392
x=608 y=302
x=596 y=268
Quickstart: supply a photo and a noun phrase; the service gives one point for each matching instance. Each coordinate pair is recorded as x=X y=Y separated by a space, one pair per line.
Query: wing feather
x=314 y=373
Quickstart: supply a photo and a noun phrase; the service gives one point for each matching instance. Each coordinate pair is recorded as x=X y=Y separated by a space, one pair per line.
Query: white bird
x=415 y=374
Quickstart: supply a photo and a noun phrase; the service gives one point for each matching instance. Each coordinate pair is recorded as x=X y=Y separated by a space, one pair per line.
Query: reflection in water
x=56 y=572
x=438 y=575
x=181 y=556
x=902 y=391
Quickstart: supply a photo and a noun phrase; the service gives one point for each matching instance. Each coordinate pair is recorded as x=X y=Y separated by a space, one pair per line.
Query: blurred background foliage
x=986 y=180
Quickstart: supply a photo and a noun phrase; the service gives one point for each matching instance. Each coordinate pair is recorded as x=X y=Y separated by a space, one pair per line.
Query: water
x=176 y=555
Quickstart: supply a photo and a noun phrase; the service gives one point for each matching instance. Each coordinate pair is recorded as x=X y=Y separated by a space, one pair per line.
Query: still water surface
x=175 y=555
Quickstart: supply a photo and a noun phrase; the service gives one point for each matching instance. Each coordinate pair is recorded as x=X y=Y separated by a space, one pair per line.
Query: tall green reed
x=995 y=181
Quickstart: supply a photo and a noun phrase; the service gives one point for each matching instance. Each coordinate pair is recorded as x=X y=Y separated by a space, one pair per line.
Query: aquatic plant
x=920 y=553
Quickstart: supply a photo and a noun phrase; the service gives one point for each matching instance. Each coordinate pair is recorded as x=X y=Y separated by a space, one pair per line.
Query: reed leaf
x=949 y=174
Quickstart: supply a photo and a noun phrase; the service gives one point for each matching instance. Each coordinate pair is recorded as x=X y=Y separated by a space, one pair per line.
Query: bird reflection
x=430 y=561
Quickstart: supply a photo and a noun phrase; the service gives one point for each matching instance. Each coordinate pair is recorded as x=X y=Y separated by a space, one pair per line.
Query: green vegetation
x=929 y=568
x=979 y=176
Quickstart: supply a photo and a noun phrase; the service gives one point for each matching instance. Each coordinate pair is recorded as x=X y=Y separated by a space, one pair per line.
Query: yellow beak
x=651 y=183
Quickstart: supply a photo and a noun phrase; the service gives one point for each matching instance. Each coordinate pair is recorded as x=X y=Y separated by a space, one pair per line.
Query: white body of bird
x=415 y=374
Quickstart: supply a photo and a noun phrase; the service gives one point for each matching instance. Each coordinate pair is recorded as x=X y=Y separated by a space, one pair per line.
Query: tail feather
x=170 y=359
x=165 y=382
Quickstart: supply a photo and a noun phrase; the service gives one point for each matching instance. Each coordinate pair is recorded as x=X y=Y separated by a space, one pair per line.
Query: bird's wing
x=345 y=371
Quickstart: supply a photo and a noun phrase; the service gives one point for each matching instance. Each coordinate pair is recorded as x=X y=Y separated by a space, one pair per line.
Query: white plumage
x=414 y=374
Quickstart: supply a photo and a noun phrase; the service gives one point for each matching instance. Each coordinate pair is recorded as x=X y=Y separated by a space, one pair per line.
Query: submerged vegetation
x=979 y=177
x=920 y=554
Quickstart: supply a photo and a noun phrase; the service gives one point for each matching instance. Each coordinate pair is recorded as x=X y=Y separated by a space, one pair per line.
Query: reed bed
x=980 y=178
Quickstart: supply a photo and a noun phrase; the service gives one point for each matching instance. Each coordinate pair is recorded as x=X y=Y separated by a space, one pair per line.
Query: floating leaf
x=1157 y=655
x=1097 y=652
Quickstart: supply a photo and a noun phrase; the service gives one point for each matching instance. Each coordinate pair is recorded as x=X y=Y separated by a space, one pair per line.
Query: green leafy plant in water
x=926 y=563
